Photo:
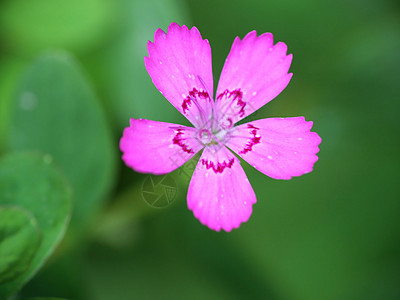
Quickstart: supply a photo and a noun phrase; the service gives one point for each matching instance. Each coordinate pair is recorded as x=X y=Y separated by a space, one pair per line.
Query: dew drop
x=269 y=157
x=299 y=138
x=254 y=93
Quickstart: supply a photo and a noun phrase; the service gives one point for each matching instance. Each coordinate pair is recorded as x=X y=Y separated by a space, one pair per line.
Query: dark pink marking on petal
x=195 y=95
x=256 y=67
x=179 y=61
x=237 y=96
x=220 y=167
x=287 y=148
x=177 y=140
x=253 y=141
x=220 y=200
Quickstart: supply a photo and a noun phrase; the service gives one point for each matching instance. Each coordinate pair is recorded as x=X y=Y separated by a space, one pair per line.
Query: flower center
x=214 y=136
x=205 y=136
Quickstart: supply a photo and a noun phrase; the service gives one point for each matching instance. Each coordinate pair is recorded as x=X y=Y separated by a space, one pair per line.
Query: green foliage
x=9 y=74
x=29 y=26
x=55 y=111
x=45 y=299
x=35 y=202
x=20 y=237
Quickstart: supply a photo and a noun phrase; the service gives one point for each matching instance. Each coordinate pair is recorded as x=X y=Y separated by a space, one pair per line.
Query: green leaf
x=20 y=238
x=56 y=112
x=29 y=26
x=46 y=298
x=10 y=71
x=31 y=181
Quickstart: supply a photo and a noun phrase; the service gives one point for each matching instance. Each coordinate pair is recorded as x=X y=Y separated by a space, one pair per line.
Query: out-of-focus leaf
x=20 y=238
x=29 y=26
x=46 y=299
x=9 y=73
x=56 y=112
x=120 y=66
x=33 y=183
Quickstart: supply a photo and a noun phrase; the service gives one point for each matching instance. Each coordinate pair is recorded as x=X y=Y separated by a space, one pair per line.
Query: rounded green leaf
x=32 y=182
x=56 y=112
x=20 y=238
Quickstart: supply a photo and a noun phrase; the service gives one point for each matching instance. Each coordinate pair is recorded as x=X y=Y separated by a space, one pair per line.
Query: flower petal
x=157 y=147
x=220 y=194
x=179 y=63
x=278 y=147
x=255 y=72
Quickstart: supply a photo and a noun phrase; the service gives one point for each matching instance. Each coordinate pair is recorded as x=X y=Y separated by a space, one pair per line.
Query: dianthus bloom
x=255 y=72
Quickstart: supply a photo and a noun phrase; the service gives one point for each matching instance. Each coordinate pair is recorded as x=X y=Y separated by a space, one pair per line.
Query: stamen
x=210 y=98
x=202 y=112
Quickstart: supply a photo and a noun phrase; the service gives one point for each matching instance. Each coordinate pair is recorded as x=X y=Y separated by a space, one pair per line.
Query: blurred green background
x=71 y=76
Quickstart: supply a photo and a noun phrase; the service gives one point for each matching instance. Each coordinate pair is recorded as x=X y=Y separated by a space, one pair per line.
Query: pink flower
x=255 y=72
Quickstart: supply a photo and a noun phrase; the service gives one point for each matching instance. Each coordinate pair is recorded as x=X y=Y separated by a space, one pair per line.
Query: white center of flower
x=205 y=136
